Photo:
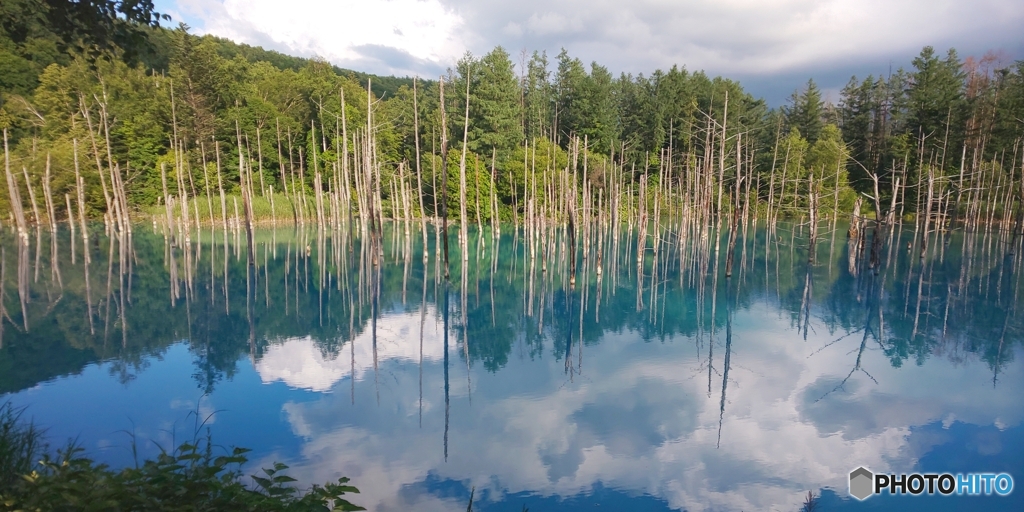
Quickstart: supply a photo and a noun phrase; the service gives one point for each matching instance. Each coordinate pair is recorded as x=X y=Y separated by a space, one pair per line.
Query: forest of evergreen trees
x=946 y=134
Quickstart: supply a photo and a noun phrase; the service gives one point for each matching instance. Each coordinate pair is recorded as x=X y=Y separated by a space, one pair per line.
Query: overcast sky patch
x=765 y=44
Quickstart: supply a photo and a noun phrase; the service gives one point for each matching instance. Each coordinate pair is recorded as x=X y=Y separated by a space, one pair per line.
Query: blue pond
x=658 y=384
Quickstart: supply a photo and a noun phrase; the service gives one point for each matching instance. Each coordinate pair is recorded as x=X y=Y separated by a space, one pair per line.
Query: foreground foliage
x=191 y=477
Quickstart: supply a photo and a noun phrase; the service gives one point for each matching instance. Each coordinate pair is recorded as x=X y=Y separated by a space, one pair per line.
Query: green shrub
x=189 y=478
x=20 y=445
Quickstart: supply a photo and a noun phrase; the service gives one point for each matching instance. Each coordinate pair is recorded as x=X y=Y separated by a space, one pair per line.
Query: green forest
x=101 y=115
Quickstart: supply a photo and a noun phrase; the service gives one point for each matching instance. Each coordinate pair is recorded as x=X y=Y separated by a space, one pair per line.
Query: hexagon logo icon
x=860 y=483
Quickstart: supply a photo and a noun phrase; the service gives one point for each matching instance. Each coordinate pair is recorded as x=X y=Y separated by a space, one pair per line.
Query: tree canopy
x=64 y=65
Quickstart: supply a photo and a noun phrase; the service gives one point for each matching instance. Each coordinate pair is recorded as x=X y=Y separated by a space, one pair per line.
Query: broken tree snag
x=854 y=230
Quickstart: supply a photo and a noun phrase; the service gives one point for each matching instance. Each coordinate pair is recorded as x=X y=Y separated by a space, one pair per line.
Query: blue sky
x=771 y=46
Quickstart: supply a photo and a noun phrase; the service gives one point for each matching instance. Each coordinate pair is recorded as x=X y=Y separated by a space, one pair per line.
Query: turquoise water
x=661 y=385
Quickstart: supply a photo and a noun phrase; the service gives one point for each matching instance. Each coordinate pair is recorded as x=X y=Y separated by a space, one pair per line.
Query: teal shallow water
x=661 y=387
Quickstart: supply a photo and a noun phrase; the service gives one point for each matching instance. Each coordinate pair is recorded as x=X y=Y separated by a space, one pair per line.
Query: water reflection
x=648 y=378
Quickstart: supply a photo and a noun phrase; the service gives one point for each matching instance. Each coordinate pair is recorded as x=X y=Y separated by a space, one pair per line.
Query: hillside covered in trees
x=947 y=132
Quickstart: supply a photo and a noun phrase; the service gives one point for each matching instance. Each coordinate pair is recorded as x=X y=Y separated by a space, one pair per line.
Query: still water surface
x=661 y=385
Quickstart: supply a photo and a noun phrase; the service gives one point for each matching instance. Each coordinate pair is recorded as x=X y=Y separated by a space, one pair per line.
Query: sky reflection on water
x=687 y=392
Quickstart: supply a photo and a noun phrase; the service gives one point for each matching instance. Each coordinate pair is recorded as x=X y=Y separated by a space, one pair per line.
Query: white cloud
x=408 y=33
x=300 y=364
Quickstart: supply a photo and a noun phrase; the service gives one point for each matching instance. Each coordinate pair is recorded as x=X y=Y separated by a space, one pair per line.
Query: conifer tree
x=806 y=111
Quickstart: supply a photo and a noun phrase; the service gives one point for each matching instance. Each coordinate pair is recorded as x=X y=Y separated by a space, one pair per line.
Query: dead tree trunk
x=444 y=177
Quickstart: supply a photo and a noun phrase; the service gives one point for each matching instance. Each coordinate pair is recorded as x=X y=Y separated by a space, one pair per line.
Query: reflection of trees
x=869 y=291
x=727 y=360
x=206 y=311
x=959 y=302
